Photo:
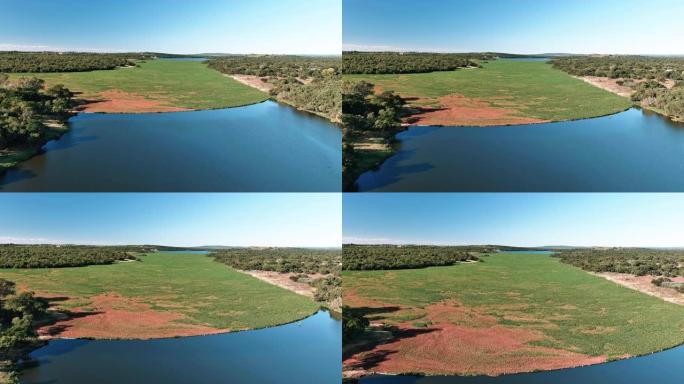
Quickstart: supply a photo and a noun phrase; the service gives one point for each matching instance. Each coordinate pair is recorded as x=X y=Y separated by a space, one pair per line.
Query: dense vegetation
x=64 y=62
x=635 y=261
x=367 y=118
x=18 y=312
x=24 y=108
x=169 y=83
x=193 y=286
x=308 y=83
x=378 y=257
x=57 y=256
x=568 y=308
x=409 y=62
x=353 y=323
x=300 y=261
x=297 y=260
x=658 y=82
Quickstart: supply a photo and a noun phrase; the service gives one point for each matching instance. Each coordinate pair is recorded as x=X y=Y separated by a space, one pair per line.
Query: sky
x=185 y=219
x=173 y=26
x=515 y=219
x=515 y=26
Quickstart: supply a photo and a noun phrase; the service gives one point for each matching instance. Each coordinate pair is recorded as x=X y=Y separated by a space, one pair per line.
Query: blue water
x=266 y=147
x=305 y=352
x=633 y=151
x=661 y=368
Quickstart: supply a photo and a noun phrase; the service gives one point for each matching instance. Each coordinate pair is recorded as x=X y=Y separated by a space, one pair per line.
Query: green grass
x=534 y=89
x=557 y=299
x=185 y=84
x=202 y=289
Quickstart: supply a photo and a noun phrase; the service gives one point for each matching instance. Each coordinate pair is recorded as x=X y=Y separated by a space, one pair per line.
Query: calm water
x=304 y=352
x=662 y=368
x=630 y=151
x=262 y=147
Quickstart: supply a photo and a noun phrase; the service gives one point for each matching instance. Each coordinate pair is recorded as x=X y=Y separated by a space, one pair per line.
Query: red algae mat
x=110 y=316
x=458 y=110
x=460 y=340
x=117 y=101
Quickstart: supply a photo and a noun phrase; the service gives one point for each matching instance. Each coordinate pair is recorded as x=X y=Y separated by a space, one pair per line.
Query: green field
x=533 y=89
x=207 y=292
x=576 y=311
x=184 y=84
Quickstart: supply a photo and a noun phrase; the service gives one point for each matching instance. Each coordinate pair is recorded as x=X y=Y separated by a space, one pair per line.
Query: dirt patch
x=461 y=340
x=283 y=281
x=458 y=110
x=643 y=284
x=117 y=101
x=111 y=316
x=608 y=84
x=253 y=81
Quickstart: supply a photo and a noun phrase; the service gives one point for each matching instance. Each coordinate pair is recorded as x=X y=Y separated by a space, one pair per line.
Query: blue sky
x=515 y=26
x=650 y=220
x=173 y=26
x=186 y=219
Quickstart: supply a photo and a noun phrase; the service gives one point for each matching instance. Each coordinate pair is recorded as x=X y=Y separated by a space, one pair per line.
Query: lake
x=632 y=151
x=265 y=147
x=663 y=368
x=308 y=351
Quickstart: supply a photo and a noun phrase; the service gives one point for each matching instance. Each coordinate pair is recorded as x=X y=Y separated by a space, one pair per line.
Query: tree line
x=57 y=256
x=283 y=260
x=384 y=257
x=367 y=117
x=407 y=62
x=12 y=62
x=647 y=76
x=18 y=315
x=635 y=261
x=24 y=107
x=308 y=83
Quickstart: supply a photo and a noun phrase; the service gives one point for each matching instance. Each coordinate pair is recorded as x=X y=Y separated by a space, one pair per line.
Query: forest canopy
x=11 y=62
x=382 y=257
x=297 y=260
x=56 y=256
x=635 y=261
x=24 y=107
x=408 y=62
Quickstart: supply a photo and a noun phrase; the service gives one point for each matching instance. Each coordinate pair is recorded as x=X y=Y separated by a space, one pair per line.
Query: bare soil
x=458 y=110
x=117 y=101
x=111 y=316
x=643 y=284
x=608 y=84
x=253 y=81
x=283 y=280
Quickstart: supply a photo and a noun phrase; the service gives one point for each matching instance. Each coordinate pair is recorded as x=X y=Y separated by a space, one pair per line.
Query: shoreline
x=428 y=374
x=220 y=332
x=404 y=127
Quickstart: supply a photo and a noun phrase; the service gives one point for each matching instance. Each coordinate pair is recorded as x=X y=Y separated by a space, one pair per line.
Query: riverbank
x=613 y=86
x=11 y=157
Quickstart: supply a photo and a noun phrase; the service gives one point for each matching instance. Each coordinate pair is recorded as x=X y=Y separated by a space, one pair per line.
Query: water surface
x=632 y=151
x=308 y=351
x=663 y=368
x=263 y=147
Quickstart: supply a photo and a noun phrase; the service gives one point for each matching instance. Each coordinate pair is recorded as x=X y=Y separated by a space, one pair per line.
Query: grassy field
x=204 y=291
x=176 y=83
x=570 y=309
x=529 y=89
